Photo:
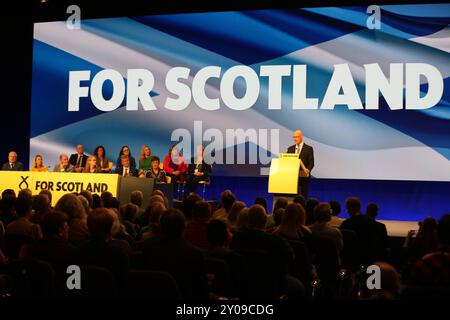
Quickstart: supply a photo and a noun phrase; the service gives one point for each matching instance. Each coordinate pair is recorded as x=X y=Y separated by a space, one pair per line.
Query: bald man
x=306 y=154
x=12 y=164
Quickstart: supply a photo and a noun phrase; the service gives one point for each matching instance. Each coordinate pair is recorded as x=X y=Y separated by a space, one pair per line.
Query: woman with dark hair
x=102 y=161
x=156 y=172
x=125 y=150
x=174 y=165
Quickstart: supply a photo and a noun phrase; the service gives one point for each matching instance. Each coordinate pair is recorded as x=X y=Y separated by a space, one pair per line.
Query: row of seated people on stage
x=174 y=168
x=267 y=255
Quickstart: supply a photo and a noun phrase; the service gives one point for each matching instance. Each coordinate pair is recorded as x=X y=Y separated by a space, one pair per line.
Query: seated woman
x=174 y=165
x=91 y=165
x=156 y=172
x=145 y=161
x=198 y=170
x=103 y=162
x=125 y=151
x=38 y=164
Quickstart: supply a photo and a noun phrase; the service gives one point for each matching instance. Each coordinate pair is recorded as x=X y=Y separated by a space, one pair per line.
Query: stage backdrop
x=316 y=46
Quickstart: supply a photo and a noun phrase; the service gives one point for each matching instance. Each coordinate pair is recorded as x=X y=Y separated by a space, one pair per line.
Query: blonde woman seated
x=145 y=161
x=91 y=165
x=38 y=164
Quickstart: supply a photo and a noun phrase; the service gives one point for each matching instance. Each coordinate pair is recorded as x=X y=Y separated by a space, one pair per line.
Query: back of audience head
x=300 y=200
x=85 y=203
x=322 y=212
x=262 y=201
x=24 y=206
x=158 y=192
x=188 y=204
x=41 y=204
x=154 y=217
x=48 y=193
x=8 y=192
x=278 y=216
x=100 y=223
x=353 y=206
x=72 y=206
x=88 y=195
x=293 y=218
x=242 y=220
x=280 y=203
x=129 y=212
x=137 y=198
x=389 y=283
x=111 y=203
x=372 y=210
x=172 y=224
x=25 y=193
x=311 y=203
x=227 y=199
x=335 y=207
x=444 y=231
x=55 y=225
x=257 y=217
x=217 y=233
x=105 y=195
x=201 y=210
x=96 y=201
x=235 y=209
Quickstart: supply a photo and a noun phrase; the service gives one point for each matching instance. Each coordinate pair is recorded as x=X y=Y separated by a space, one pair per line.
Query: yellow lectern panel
x=283 y=175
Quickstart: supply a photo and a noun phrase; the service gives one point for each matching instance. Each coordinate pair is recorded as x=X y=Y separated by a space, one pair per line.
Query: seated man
x=64 y=165
x=78 y=160
x=198 y=170
x=126 y=170
x=12 y=164
x=156 y=172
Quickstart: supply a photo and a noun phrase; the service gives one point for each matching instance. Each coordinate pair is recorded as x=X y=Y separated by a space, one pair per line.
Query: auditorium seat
x=219 y=277
x=350 y=251
x=151 y=285
x=14 y=243
x=96 y=284
x=300 y=267
x=260 y=280
x=326 y=260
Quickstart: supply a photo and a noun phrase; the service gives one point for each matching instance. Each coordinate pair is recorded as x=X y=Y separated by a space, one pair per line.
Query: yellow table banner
x=59 y=183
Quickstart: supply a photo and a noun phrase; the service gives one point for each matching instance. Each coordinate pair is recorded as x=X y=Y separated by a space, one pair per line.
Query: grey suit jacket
x=58 y=168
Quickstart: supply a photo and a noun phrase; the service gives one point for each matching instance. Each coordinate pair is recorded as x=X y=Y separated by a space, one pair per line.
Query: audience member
x=72 y=206
x=195 y=232
x=381 y=235
x=38 y=165
x=22 y=226
x=320 y=229
x=227 y=200
x=12 y=164
x=41 y=207
x=78 y=160
x=234 y=213
x=335 y=221
x=171 y=253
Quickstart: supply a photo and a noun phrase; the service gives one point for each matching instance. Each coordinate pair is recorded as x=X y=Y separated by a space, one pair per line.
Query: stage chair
x=204 y=184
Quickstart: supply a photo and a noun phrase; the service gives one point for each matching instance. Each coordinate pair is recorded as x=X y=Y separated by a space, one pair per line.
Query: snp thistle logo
x=24 y=183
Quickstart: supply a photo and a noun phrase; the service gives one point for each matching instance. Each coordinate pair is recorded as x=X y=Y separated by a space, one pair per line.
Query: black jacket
x=306 y=155
x=74 y=157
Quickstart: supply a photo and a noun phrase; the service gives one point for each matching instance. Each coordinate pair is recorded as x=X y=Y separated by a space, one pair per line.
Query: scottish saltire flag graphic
x=354 y=144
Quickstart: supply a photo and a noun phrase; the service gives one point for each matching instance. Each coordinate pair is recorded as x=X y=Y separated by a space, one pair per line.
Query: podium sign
x=284 y=173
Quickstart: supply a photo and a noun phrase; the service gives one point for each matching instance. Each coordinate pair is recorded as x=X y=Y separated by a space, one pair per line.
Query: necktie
x=125 y=174
x=296 y=148
x=79 y=161
x=11 y=165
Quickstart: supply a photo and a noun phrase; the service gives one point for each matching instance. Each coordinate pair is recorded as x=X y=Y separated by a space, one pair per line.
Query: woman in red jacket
x=174 y=165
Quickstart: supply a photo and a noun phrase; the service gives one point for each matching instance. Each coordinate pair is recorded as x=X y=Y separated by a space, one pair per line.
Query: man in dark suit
x=126 y=170
x=198 y=170
x=306 y=154
x=12 y=164
x=78 y=160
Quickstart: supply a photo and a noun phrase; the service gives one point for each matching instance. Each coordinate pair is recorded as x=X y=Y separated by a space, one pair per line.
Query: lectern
x=283 y=175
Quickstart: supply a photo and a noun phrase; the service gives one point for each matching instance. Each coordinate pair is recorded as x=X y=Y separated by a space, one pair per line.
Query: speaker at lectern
x=284 y=173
